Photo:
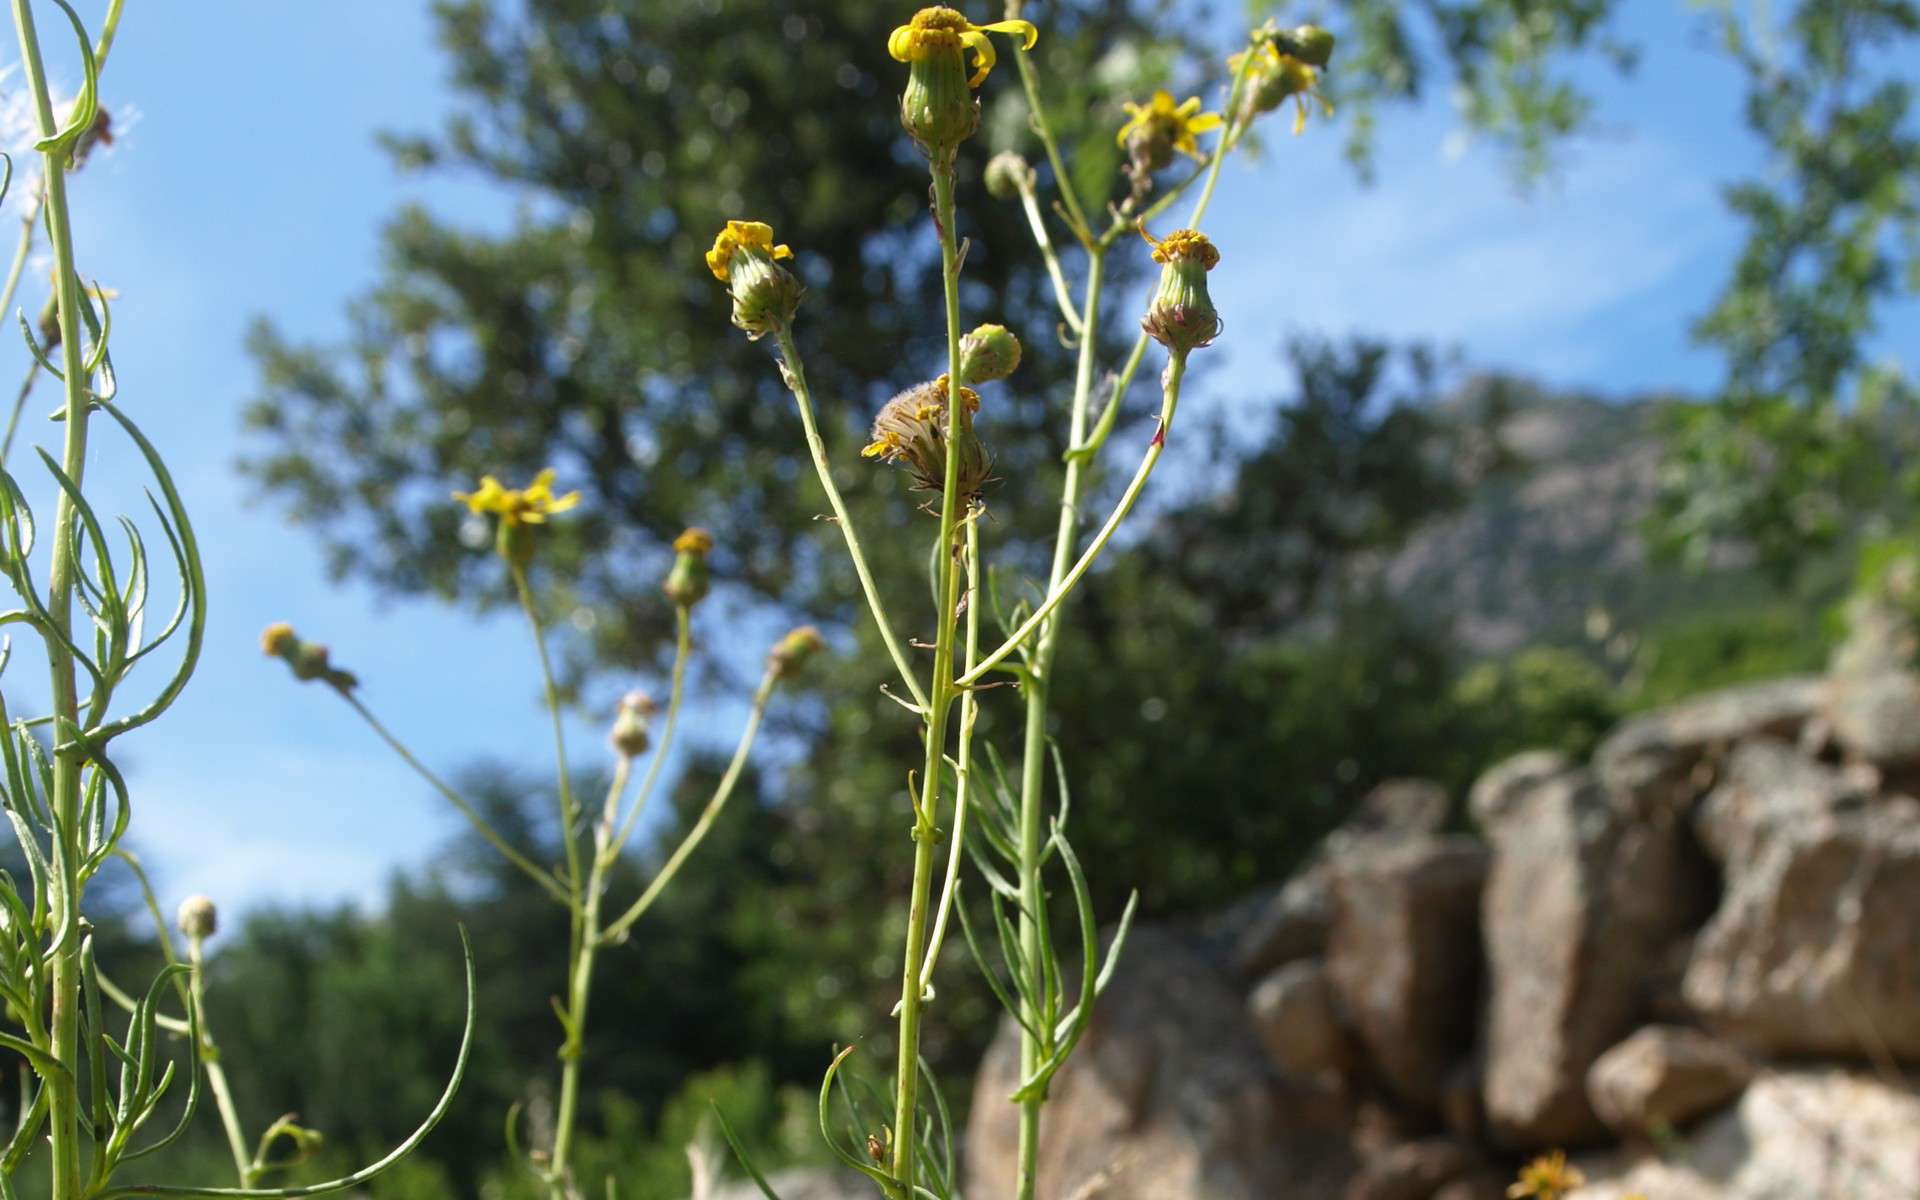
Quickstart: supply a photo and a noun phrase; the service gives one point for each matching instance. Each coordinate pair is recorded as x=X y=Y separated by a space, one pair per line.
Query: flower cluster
x=938 y=107
x=1158 y=128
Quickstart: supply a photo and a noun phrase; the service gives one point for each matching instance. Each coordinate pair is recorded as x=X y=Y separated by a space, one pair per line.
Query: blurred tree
x=1810 y=434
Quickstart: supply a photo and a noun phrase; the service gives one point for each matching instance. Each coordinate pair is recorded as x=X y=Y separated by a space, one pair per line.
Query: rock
x=1395 y=810
x=1167 y=1097
x=1293 y=1014
x=1664 y=759
x=1580 y=905
x=1502 y=786
x=1812 y=950
x=1412 y=1170
x=1793 y=1134
x=801 y=1183
x=1281 y=925
x=1876 y=716
x=1404 y=957
x=1460 y=1108
x=1769 y=787
x=1483 y=1183
x=1662 y=1077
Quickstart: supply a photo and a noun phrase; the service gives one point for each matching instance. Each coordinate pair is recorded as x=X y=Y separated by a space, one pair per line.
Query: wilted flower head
x=1181 y=316
x=912 y=429
x=937 y=107
x=765 y=294
x=1548 y=1177
x=1156 y=129
x=990 y=352
x=197 y=918
x=632 y=729
x=1286 y=67
x=791 y=652
x=308 y=660
x=689 y=581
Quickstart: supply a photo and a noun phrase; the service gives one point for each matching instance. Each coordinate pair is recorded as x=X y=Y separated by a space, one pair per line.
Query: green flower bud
x=912 y=429
x=938 y=107
x=1181 y=316
x=793 y=651
x=1008 y=175
x=308 y=660
x=197 y=918
x=689 y=581
x=1311 y=45
x=988 y=353
x=633 y=725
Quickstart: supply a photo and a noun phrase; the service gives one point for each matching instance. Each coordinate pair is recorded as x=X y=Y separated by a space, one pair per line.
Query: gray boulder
x=1665 y=759
x=1663 y=1077
x=1293 y=1013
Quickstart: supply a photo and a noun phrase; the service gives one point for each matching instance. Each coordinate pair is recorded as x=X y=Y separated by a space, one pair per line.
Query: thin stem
x=1030 y=81
x=912 y=998
x=797 y=382
x=538 y=874
x=1176 y=367
x=216 y=1077
x=64 y=1109
x=569 y=809
x=682 y=649
x=963 y=756
x=1061 y=292
x=718 y=802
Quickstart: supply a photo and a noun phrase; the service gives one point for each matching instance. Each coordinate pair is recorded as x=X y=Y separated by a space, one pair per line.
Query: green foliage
x=1542 y=697
x=1696 y=652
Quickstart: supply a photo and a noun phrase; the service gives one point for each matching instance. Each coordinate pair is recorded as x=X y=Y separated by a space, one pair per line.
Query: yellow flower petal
x=983 y=55
x=1205 y=122
x=900 y=43
x=1029 y=35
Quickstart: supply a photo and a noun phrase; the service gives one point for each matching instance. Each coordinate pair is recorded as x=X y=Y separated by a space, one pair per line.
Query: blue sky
x=250 y=183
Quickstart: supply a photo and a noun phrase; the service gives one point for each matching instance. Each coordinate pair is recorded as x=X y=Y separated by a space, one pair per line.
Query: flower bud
x=1311 y=45
x=765 y=294
x=633 y=725
x=912 y=429
x=1181 y=315
x=689 y=581
x=937 y=107
x=793 y=651
x=308 y=660
x=1008 y=175
x=988 y=353
x=197 y=918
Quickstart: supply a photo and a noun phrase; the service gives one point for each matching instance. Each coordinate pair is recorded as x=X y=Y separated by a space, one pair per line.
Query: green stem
x=912 y=998
x=1061 y=291
x=109 y=27
x=569 y=809
x=682 y=649
x=527 y=866
x=1030 y=82
x=1037 y=682
x=216 y=1076
x=618 y=928
x=64 y=1109
x=1176 y=368
x=969 y=713
x=797 y=381
x=580 y=979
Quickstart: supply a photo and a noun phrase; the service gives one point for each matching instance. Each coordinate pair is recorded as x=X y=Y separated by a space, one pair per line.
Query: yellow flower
x=738 y=236
x=1546 y=1178
x=694 y=541
x=1162 y=118
x=1277 y=76
x=518 y=506
x=937 y=30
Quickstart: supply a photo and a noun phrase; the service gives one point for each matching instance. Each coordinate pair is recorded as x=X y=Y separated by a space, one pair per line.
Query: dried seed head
x=689 y=581
x=912 y=429
x=1181 y=316
x=1008 y=175
x=632 y=729
x=197 y=918
x=793 y=651
x=988 y=353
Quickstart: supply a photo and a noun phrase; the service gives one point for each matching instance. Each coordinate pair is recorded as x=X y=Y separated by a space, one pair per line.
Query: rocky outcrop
x=1794 y=1133
x=1710 y=929
x=1167 y=1097
x=1404 y=957
x=1581 y=901
x=1663 y=1077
